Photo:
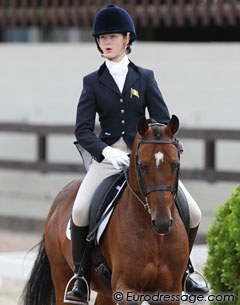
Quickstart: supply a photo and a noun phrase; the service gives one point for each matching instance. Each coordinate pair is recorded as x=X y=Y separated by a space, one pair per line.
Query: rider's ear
x=173 y=125
x=142 y=126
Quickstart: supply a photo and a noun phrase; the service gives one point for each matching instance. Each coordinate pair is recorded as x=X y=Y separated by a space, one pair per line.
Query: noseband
x=164 y=187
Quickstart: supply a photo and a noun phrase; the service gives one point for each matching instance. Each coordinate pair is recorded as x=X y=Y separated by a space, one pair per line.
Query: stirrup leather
x=73 y=278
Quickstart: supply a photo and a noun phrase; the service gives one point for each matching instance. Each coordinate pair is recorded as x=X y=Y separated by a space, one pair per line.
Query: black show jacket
x=118 y=112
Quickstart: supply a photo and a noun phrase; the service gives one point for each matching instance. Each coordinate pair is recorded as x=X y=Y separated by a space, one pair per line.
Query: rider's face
x=113 y=45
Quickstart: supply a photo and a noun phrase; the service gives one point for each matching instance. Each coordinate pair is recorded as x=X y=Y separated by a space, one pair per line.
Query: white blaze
x=159 y=157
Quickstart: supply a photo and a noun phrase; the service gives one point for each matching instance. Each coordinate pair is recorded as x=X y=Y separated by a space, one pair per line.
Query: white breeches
x=97 y=173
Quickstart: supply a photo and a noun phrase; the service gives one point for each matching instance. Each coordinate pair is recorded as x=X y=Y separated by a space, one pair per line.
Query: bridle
x=162 y=187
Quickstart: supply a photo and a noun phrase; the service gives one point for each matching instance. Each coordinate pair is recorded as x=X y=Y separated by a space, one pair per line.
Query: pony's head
x=156 y=154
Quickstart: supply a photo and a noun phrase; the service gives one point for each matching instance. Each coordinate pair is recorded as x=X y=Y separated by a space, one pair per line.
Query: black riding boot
x=192 y=287
x=80 y=253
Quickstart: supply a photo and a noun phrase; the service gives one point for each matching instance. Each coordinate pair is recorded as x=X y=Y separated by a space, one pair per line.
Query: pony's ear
x=173 y=125
x=142 y=126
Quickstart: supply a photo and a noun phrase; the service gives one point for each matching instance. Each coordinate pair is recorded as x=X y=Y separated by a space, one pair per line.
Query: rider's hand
x=117 y=157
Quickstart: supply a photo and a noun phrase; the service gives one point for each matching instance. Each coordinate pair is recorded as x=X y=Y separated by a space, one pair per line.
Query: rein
x=145 y=191
x=145 y=204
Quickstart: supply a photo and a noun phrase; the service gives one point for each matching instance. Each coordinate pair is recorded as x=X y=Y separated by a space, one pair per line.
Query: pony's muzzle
x=162 y=226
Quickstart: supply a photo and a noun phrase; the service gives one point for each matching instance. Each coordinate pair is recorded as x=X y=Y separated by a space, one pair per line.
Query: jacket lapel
x=132 y=76
x=106 y=78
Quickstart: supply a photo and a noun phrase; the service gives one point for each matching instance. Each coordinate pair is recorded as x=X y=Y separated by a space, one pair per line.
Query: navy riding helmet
x=113 y=19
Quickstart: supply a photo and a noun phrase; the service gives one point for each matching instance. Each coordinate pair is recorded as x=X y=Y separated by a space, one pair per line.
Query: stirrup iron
x=73 y=278
x=188 y=275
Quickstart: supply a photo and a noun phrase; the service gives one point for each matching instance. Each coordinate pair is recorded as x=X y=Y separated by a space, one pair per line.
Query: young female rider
x=119 y=92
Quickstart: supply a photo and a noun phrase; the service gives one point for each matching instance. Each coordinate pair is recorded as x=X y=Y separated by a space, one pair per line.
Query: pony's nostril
x=162 y=227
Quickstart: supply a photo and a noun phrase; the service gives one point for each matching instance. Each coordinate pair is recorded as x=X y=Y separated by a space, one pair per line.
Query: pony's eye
x=142 y=168
x=175 y=166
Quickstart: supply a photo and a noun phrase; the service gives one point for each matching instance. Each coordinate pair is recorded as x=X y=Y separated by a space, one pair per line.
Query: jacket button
x=123 y=132
x=123 y=121
x=122 y=111
x=121 y=100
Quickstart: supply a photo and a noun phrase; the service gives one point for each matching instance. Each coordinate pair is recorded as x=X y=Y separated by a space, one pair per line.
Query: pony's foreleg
x=103 y=300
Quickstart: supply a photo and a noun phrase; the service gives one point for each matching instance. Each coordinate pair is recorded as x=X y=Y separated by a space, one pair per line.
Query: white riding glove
x=117 y=157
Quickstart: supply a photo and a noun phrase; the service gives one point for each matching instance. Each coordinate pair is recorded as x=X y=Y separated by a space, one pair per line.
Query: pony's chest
x=154 y=275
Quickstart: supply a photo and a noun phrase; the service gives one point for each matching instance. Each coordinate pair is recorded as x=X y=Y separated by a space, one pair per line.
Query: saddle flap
x=104 y=201
x=183 y=209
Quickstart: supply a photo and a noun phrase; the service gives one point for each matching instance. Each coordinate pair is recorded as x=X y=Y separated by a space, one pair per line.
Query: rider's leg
x=79 y=227
x=80 y=219
x=79 y=253
x=192 y=287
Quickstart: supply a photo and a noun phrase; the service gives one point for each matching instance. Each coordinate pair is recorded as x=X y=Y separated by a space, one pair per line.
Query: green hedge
x=222 y=268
